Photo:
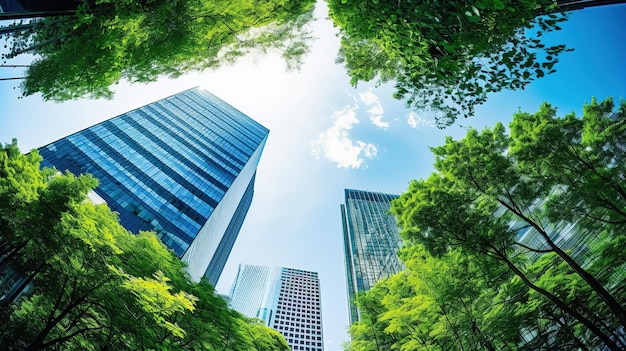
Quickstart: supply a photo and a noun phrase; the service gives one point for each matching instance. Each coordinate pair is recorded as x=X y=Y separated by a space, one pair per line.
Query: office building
x=37 y=8
x=254 y=290
x=286 y=299
x=371 y=242
x=183 y=166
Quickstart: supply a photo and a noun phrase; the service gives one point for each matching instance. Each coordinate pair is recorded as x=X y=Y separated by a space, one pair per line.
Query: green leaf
x=498 y=5
x=416 y=55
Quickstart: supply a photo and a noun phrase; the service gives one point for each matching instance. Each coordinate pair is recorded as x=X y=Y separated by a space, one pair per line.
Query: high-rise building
x=371 y=242
x=183 y=166
x=253 y=293
x=36 y=8
x=286 y=299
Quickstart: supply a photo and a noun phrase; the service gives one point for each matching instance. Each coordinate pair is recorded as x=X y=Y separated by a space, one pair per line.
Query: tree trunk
x=599 y=289
x=14 y=251
x=563 y=306
x=445 y=314
x=16 y=291
x=562 y=322
x=38 y=343
x=608 y=299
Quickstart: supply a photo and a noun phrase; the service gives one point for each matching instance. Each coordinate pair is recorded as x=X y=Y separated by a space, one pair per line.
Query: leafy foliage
x=447 y=55
x=513 y=242
x=109 y=40
x=94 y=285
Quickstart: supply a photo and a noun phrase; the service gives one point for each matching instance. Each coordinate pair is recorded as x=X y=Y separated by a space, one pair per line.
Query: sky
x=326 y=136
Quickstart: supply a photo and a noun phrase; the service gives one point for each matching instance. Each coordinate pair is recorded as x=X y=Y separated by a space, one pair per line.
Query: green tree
x=482 y=199
x=265 y=338
x=78 y=289
x=96 y=286
x=459 y=301
x=447 y=56
x=368 y=334
x=531 y=320
x=445 y=302
x=139 y=41
x=20 y=183
x=582 y=153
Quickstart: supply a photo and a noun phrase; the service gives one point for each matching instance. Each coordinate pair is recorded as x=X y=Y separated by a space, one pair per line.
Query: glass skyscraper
x=254 y=290
x=286 y=299
x=371 y=242
x=183 y=166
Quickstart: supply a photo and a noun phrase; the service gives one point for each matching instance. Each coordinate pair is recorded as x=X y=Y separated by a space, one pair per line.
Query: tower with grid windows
x=286 y=299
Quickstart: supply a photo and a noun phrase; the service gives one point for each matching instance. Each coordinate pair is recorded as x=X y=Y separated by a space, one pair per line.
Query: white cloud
x=376 y=110
x=415 y=121
x=335 y=144
x=370 y=150
x=369 y=98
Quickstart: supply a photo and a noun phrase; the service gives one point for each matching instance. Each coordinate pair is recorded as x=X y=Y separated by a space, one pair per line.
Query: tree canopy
x=512 y=243
x=105 y=41
x=447 y=56
x=85 y=283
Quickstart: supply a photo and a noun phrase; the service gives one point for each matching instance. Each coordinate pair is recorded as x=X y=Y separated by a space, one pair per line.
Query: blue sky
x=326 y=136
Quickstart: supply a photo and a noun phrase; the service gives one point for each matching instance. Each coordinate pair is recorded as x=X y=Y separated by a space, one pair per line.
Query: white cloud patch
x=335 y=144
x=415 y=121
x=375 y=110
x=369 y=98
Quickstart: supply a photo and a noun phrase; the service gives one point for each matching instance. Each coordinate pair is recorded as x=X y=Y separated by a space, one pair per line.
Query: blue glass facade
x=182 y=166
x=253 y=291
x=371 y=242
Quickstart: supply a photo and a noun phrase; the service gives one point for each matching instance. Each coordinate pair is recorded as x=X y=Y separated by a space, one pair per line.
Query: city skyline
x=183 y=166
x=324 y=138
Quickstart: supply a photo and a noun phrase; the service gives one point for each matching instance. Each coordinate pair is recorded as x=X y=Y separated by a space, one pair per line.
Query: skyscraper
x=371 y=242
x=254 y=290
x=286 y=299
x=183 y=166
